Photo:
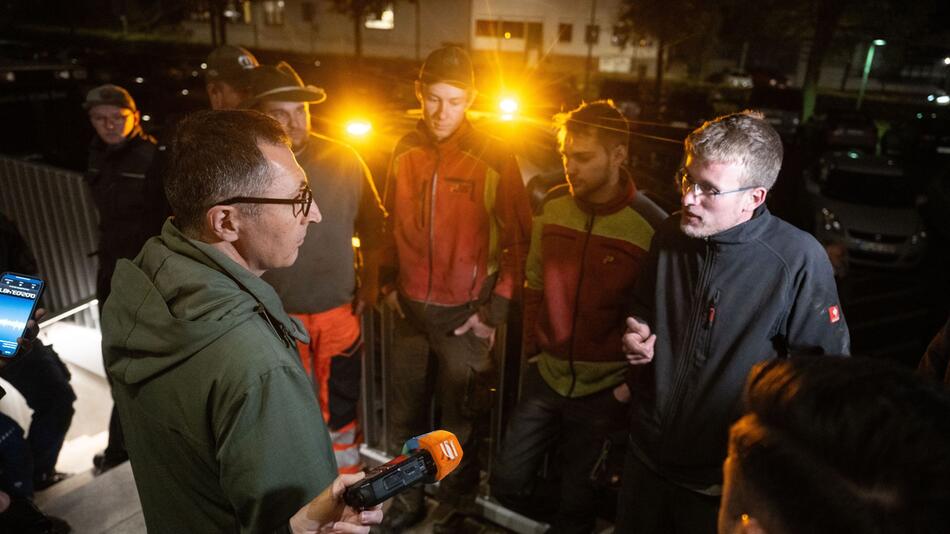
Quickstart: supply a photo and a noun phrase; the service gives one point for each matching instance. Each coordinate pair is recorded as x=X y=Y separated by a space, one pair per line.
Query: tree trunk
x=826 y=23
x=658 y=82
x=358 y=34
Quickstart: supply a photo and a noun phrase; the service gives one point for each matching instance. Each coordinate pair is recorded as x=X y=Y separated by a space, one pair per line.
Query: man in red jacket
x=457 y=239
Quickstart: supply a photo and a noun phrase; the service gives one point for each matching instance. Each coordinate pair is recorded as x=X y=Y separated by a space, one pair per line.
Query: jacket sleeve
x=369 y=228
x=513 y=213
x=533 y=289
x=815 y=323
x=273 y=450
x=643 y=303
x=386 y=256
x=935 y=362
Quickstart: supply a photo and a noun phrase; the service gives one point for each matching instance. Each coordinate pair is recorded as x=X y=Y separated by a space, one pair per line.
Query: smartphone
x=19 y=295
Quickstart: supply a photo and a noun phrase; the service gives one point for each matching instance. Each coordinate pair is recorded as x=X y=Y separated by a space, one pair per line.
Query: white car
x=869 y=205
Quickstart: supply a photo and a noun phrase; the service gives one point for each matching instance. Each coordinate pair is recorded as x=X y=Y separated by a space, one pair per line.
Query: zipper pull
x=711 y=313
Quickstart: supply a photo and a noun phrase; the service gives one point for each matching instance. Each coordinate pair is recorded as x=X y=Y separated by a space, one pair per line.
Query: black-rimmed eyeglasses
x=301 y=203
x=703 y=190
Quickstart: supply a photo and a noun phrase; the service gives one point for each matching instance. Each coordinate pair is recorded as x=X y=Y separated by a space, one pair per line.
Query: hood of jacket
x=174 y=299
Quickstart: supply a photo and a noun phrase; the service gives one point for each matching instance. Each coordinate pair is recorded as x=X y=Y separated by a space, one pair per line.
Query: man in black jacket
x=118 y=156
x=726 y=285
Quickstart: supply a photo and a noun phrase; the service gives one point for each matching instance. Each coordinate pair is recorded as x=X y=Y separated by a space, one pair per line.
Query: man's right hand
x=638 y=342
x=327 y=513
x=392 y=302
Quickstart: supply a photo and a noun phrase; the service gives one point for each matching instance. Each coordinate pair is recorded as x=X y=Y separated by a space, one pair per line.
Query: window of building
x=307 y=11
x=384 y=20
x=592 y=34
x=274 y=12
x=503 y=29
x=565 y=33
x=200 y=11
x=486 y=28
x=512 y=30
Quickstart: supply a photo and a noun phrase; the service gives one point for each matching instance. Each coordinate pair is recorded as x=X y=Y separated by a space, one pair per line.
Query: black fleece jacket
x=719 y=305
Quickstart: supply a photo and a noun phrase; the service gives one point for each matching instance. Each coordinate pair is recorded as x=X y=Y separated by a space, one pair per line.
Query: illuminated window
x=565 y=33
x=384 y=20
x=274 y=12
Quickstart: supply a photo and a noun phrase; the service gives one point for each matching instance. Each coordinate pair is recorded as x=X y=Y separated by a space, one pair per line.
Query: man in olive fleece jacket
x=222 y=427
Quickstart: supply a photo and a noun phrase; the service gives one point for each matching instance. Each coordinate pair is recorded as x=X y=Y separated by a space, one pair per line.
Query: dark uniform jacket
x=116 y=177
x=719 y=305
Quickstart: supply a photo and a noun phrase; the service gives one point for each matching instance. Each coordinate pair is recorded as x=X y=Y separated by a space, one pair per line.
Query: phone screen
x=19 y=295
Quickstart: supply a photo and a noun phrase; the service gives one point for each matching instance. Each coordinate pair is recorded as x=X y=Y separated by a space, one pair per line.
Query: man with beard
x=586 y=251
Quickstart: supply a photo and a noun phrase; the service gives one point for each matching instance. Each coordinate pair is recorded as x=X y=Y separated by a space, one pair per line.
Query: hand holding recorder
x=354 y=502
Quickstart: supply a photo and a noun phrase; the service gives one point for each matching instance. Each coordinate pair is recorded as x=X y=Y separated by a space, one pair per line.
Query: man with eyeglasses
x=119 y=155
x=322 y=288
x=726 y=285
x=222 y=425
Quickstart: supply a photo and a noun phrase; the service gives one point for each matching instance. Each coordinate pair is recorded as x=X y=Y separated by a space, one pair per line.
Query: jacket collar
x=456 y=141
x=626 y=195
x=260 y=290
x=744 y=232
x=100 y=145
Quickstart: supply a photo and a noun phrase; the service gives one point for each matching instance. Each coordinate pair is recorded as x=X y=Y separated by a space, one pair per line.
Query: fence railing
x=54 y=211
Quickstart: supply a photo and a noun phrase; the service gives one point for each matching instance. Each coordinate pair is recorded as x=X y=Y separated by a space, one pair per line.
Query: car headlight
x=830 y=221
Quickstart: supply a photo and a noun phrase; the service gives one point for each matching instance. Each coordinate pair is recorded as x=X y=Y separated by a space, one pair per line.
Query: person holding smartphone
x=18 y=512
x=39 y=375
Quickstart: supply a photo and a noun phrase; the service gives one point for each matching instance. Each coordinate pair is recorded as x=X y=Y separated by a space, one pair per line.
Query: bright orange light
x=358 y=128
x=508 y=105
x=507 y=35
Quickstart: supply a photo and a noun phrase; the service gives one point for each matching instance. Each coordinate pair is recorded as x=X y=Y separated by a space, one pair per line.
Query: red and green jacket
x=581 y=270
x=459 y=221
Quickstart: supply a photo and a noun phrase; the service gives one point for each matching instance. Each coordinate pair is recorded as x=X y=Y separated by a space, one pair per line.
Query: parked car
x=842 y=130
x=868 y=204
x=732 y=78
x=781 y=107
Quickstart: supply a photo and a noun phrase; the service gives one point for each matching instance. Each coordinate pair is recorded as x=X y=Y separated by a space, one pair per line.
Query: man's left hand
x=478 y=328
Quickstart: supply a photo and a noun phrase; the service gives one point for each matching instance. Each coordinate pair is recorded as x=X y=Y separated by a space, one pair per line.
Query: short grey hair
x=743 y=138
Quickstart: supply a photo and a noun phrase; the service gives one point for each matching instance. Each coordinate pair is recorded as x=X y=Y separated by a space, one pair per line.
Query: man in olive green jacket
x=222 y=426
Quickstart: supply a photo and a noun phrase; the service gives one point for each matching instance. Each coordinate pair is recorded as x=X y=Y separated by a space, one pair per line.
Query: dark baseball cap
x=281 y=82
x=109 y=95
x=449 y=64
x=230 y=63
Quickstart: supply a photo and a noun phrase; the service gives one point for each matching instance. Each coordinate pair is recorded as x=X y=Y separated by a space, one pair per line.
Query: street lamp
x=867 y=69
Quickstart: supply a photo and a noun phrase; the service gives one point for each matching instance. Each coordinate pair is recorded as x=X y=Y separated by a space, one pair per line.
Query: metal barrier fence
x=54 y=211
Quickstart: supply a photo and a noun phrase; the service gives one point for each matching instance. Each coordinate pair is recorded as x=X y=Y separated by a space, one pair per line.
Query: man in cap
x=228 y=83
x=460 y=224
x=118 y=157
x=322 y=289
x=227 y=78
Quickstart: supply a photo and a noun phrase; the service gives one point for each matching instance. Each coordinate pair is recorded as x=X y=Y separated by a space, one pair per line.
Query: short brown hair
x=600 y=119
x=215 y=156
x=743 y=138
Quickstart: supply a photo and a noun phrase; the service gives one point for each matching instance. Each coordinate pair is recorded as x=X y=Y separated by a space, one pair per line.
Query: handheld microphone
x=427 y=458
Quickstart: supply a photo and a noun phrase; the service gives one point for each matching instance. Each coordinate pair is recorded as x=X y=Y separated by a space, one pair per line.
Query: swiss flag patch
x=834 y=314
